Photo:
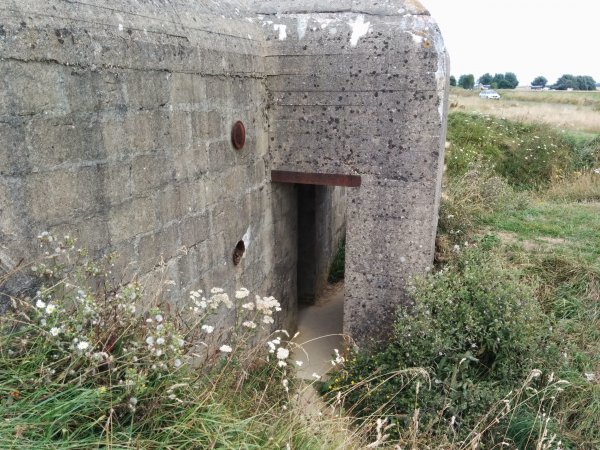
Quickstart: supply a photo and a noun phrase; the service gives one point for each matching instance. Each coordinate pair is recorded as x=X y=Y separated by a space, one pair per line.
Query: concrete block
x=132 y=218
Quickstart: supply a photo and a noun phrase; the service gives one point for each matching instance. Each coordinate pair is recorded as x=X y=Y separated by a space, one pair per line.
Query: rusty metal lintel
x=322 y=179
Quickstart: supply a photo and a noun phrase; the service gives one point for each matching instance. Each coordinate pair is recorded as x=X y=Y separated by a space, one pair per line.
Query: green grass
x=577 y=223
x=336 y=271
x=526 y=199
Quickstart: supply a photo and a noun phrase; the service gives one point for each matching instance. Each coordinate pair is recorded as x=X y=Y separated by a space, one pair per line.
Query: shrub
x=475 y=326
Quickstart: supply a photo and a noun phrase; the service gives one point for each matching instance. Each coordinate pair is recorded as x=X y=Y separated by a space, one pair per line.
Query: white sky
x=527 y=37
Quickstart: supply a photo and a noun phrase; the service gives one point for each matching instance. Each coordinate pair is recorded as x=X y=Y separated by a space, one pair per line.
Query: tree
x=582 y=83
x=467 y=81
x=540 y=81
x=585 y=83
x=511 y=80
x=486 y=79
x=498 y=81
x=507 y=80
x=452 y=80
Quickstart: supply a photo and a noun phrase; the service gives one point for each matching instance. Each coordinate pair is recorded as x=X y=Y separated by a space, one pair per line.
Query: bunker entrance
x=321 y=201
x=321 y=230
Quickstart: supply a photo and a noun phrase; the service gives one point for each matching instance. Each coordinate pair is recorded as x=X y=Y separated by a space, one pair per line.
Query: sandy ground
x=320 y=332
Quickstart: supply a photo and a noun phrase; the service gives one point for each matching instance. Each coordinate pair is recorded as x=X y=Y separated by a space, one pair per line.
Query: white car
x=489 y=93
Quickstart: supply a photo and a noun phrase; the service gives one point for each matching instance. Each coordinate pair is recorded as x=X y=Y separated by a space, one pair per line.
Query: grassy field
x=573 y=111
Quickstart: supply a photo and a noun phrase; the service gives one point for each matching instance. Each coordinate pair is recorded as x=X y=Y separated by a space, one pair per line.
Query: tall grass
x=516 y=227
x=85 y=363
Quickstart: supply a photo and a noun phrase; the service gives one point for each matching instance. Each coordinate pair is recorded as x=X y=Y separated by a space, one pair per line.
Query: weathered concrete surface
x=360 y=88
x=115 y=125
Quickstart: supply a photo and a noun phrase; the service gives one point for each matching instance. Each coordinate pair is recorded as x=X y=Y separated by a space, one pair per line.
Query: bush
x=475 y=326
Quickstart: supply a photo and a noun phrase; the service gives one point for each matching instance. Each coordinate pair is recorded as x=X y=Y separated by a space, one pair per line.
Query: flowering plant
x=128 y=364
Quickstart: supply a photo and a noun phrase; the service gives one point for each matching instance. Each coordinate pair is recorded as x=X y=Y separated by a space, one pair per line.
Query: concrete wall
x=359 y=88
x=115 y=121
x=115 y=125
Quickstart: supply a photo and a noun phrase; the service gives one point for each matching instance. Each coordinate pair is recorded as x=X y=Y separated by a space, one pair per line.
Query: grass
x=577 y=224
x=336 y=271
x=524 y=195
x=569 y=111
x=83 y=366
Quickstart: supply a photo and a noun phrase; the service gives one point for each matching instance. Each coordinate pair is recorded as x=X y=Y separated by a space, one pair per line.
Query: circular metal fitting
x=238 y=135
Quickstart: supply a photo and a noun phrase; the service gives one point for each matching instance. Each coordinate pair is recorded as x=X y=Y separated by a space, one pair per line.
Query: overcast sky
x=527 y=37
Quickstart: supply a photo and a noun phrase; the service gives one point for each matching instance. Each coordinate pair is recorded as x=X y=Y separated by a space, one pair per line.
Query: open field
x=577 y=111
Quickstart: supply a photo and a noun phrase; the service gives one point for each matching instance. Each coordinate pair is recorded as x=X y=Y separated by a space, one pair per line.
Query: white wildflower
x=285 y=384
x=248 y=306
x=339 y=359
x=242 y=293
x=249 y=324
x=50 y=308
x=299 y=363
x=589 y=376
x=281 y=363
x=177 y=363
x=207 y=329
x=83 y=345
x=158 y=318
x=160 y=341
x=54 y=331
x=150 y=340
x=225 y=348
x=40 y=304
x=282 y=353
x=216 y=290
x=316 y=376
x=268 y=319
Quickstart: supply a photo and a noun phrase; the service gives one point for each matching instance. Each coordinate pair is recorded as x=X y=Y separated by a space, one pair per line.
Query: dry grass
x=567 y=110
x=584 y=187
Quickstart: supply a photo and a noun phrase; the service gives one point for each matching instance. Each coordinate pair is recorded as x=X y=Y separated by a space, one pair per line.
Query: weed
x=336 y=271
x=85 y=363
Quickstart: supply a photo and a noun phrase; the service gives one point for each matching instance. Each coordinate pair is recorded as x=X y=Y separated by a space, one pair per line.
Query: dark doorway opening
x=321 y=230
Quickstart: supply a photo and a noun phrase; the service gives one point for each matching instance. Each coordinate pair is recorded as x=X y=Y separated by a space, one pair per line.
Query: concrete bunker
x=116 y=126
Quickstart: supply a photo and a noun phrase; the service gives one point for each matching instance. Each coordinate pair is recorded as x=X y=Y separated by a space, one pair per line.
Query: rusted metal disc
x=238 y=135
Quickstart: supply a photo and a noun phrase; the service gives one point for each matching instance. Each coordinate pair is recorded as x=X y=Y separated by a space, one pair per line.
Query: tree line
x=509 y=80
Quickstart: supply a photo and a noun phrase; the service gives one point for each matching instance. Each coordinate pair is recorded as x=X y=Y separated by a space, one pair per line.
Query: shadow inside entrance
x=320 y=332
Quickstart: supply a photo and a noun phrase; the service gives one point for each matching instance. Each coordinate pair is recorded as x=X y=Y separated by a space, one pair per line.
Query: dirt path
x=320 y=332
